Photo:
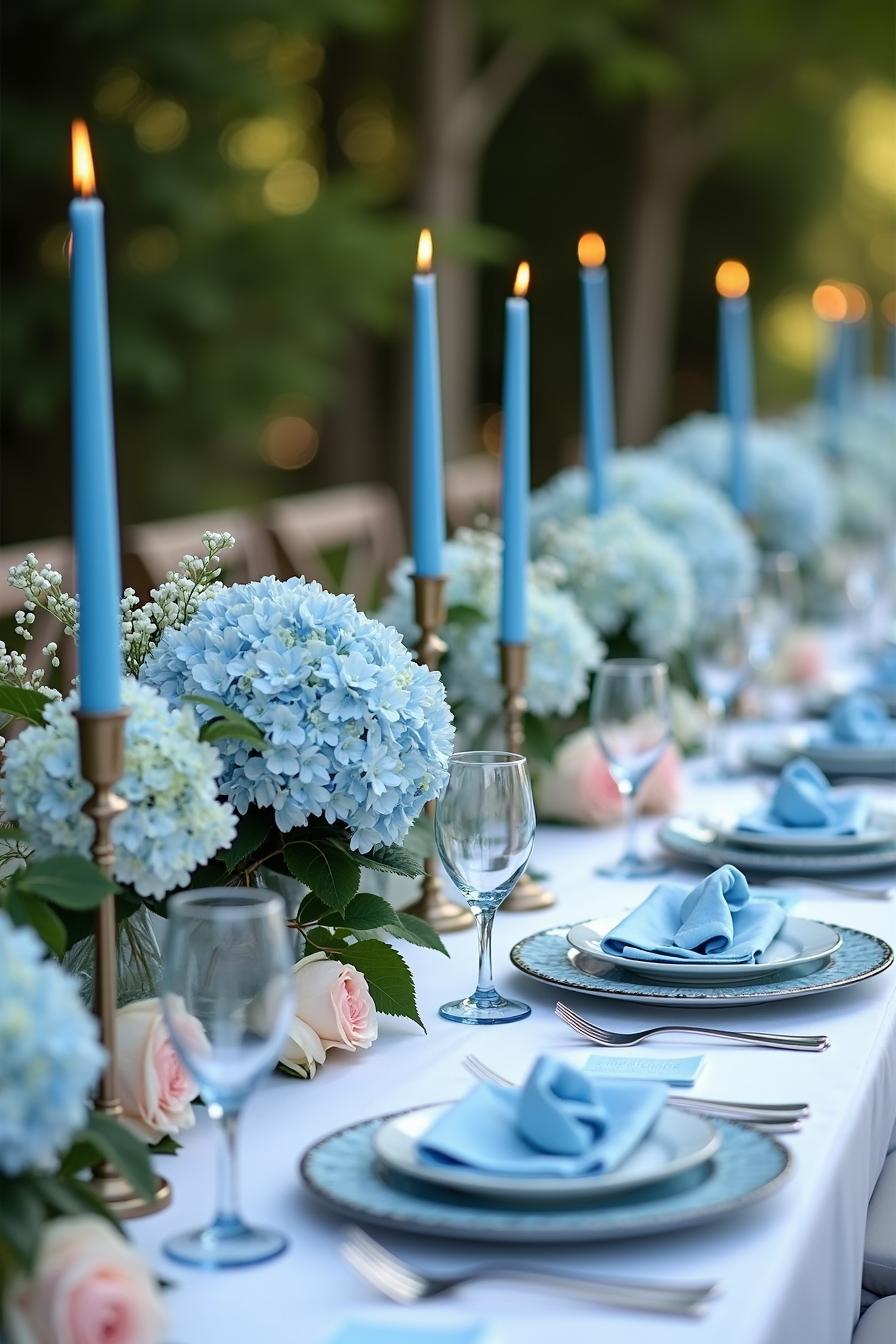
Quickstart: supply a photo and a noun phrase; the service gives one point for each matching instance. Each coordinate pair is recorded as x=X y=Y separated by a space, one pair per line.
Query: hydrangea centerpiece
x=352 y=729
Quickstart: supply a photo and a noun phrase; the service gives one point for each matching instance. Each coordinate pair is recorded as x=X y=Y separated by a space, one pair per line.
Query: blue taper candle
x=427 y=501
x=735 y=376
x=830 y=305
x=598 y=409
x=515 y=462
x=94 y=491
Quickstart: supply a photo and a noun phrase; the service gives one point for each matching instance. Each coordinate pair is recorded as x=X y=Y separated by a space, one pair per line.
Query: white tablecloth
x=790 y=1267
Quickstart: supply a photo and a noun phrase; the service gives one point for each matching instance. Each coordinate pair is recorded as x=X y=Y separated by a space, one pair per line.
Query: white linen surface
x=790 y=1268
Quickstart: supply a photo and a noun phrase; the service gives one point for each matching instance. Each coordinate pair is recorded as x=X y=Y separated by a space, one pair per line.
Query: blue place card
x=361 y=1331
x=681 y=1072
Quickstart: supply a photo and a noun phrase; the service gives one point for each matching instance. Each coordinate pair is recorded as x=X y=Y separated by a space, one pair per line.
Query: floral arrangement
x=563 y=648
x=63 y=1261
x=795 y=497
x=864 y=471
x=577 y=786
x=275 y=734
x=632 y=583
x=349 y=727
x=694 y=515
x=175 y=821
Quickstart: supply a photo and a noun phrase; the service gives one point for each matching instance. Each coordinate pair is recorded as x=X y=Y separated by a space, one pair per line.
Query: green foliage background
x=226 y=313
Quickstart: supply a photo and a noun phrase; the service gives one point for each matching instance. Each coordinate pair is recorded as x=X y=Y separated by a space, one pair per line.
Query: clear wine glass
x=631 y=716
x=485 y=829
x=227 y=1000
x=721 y=663
x=777 y=606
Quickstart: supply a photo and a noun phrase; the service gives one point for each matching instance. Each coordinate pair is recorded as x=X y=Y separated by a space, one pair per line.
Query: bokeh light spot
x=291 y=188
x=296 y=58
x=367 y=132
x=152 y=250
x=161 y=126
x=119 y=93
x=790 y=331
x=260 y=143
x=289 y=442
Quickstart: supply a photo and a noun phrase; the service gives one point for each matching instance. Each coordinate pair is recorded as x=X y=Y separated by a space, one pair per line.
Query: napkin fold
x=860 y=719
x=718 y=921
x=803 y=801
x=559 y=1123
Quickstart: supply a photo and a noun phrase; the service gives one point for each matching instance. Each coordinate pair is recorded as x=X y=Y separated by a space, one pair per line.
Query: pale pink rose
x=154 y=1087
x=801 y=660
x=303 y=1049
x=89 y=1286
x=578 y=786
x=661 y=790
x=333 y=1000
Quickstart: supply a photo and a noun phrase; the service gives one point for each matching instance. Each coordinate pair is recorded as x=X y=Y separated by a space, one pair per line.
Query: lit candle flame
x=732 y=279
x=82 y=160
x=888 y=306
x=521 y=283
x=857 y=301
x=424 y=251
x=592 y=250
x=829 y=302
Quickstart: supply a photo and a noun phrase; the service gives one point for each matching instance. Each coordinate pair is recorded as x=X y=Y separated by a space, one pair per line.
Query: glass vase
x=139 y=960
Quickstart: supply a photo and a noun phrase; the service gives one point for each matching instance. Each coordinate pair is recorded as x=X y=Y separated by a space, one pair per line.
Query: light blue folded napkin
x=885 y=668
x=682 y=1072
x=719 y=921
x=803 y=801
x=861 y=720
x=559 y=1123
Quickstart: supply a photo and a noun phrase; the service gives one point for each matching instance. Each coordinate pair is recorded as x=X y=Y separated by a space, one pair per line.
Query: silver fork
x=401 y=1282
x=785 y=1117
x=600 y=1036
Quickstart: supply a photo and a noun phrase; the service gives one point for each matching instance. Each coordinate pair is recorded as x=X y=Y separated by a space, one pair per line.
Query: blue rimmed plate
x=834 y=758
x=344 y=1172
x=547 y=956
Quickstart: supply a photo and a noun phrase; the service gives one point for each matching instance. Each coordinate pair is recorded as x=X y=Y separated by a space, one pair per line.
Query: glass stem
x=485 y=983
x=716 y=711
x=227 y=1215
x=626 y=788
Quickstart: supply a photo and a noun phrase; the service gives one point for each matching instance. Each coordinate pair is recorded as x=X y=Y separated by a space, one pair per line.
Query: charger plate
x=879 y=833
x=870 y=762
x=547 y=956
x=702 y=843
x=343 y=1171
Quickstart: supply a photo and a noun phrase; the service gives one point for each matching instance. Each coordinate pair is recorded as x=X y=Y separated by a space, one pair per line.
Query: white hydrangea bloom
x=627 y=579
x=563 y=650
x=175 y=821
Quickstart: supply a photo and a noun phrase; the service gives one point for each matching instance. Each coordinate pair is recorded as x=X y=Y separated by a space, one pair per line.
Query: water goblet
x=631 y=717
x=721 y=662
x=485 y=829
x=227 y=999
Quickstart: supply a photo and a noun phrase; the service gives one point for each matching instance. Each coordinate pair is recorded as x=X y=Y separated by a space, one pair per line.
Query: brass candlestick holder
x=429 y=610
x=527 y=894
x=101 y=738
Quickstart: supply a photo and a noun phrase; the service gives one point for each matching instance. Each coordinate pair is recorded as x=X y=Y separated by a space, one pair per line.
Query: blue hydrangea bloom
x=625 y=575
x=563 y=650
x=175 y=820
x=693 y=514
x=864 y=469
x=795 y=497
x=50 y=1056
x=357 y=732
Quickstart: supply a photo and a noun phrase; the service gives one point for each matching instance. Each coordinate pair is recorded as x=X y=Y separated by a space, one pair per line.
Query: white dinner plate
x=798 y=942
x=880 y=830
x=677 y=1142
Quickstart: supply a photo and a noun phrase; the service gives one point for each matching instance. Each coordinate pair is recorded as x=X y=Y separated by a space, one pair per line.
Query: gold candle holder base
x=429 y=610
x=101 y=739
x=528 y=894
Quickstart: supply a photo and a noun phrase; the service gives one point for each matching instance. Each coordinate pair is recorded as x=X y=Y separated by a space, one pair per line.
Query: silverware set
x=770 y=1039
x=784 y=1117
x=402 y=1282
